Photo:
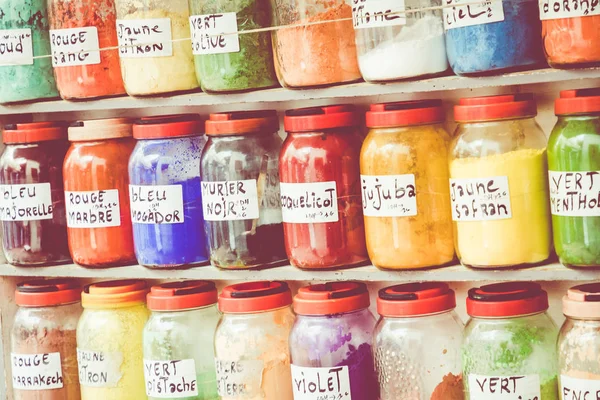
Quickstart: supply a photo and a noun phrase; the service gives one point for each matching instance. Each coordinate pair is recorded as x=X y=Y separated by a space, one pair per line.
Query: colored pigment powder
x=572 y=42
x=451 y=388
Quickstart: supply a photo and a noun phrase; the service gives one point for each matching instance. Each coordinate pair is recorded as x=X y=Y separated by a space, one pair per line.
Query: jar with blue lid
x=164 y=192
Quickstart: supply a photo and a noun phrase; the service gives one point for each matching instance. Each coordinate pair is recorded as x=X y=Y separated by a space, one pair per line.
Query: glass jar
x=334 y=328
x=501 y=37
x=252 y=352
x=417 y=343
x=163 y=62
x=32 y=202
x=499 y=183
x=320 y=188
x=314 y=55
x=179 y=341
x=247 y=62
x=509 y=341
x=240 y=190
x=109 y=340
x=571 y=37
x=164 y=192
x=97 y=193
x=23 y=78
x=406 y=199
x=77 y=27
x=44 y=342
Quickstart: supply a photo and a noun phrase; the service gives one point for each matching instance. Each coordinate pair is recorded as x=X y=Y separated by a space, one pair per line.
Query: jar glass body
x=37 y=240
x=419 y=357
x=184 y=335
x=152 y=75
x=326 y=156
x=181 y=240
x=49 y=330
x=572 y=42
x=516 y=230
x=578 y=352
x=244 y=243
x=315 y=55
x=338 y=340
x=99 y=167
x=419 y=154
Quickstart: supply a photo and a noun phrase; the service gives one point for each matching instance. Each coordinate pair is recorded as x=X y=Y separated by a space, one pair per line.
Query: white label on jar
x=29 y=202
x=173 y=379
x=575 y=194
x=75 y=46
x=555 y=9
x=389 y=195
x=230 y=200
x=93 y=209
x=525 y=387
x=37 y=371
x=377 y=13
x=481 y=199
x=309 y=202
x=99 y=369
x=321 y=383
x=579 y=389
x=160 y=204
x=241 y=378
x=457 y=16
x=140 y=38
x=214 y=33
x=16 y=47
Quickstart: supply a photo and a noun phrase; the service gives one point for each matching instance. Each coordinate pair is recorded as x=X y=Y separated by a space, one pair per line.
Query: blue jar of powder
x=165 y=194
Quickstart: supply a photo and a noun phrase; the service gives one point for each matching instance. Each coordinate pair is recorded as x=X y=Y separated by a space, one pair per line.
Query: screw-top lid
x=580 y=101
x=34 y=132
x=168 y=126
x=47 y=293
x=242 y=122
x=509 y=299
x=415 y=299
x=491 y=108
x=583 y=301
x=405 y=113
x=251 y=297
x=319 y=118
x=100 y=129
x=114 y=294
x=332 y=298
x=184 y=295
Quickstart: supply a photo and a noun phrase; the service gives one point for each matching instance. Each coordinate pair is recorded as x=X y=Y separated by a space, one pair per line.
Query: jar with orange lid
x=109 y=340
x=404 y=177
x=44 y=341
x=97 y=193
x=32 y=201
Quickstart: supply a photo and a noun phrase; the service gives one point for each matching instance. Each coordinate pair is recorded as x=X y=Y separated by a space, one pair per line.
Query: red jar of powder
x=320 y=188
x=573 y=41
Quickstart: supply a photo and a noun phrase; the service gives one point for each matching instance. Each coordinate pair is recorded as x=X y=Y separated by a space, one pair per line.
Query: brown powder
x=451 y=388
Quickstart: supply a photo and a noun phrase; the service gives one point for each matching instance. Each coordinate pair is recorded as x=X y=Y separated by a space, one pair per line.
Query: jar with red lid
x=499 y=183
x=510 y=341
x=44 y=340
x=332 y=341
x=240 y=190
x=252 y=351
x=320 y=188
x=404 y=177
x=32 y=205
x=97 y=193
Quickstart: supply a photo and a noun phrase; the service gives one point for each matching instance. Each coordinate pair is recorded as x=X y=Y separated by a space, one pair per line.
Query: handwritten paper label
x=160 y=204
x=93 y=209
x=389 y=195
x=75 y=46
x=457 y=16
x=520 y=387
x=173 y=379
x=482 y=199
x=29 y=202
x=230 y=200
x=37 y=371
x=208 y=33
x=239 y=378
x=99 y=369
x=309 y=202
x=16 y=47
x=555 y=9
x=321 y=383
x=377 y=13
x=140 y=38
x=579 y=389
x=575 y=194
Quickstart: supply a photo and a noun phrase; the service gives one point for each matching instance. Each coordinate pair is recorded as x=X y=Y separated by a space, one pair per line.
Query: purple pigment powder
x=363 y=379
